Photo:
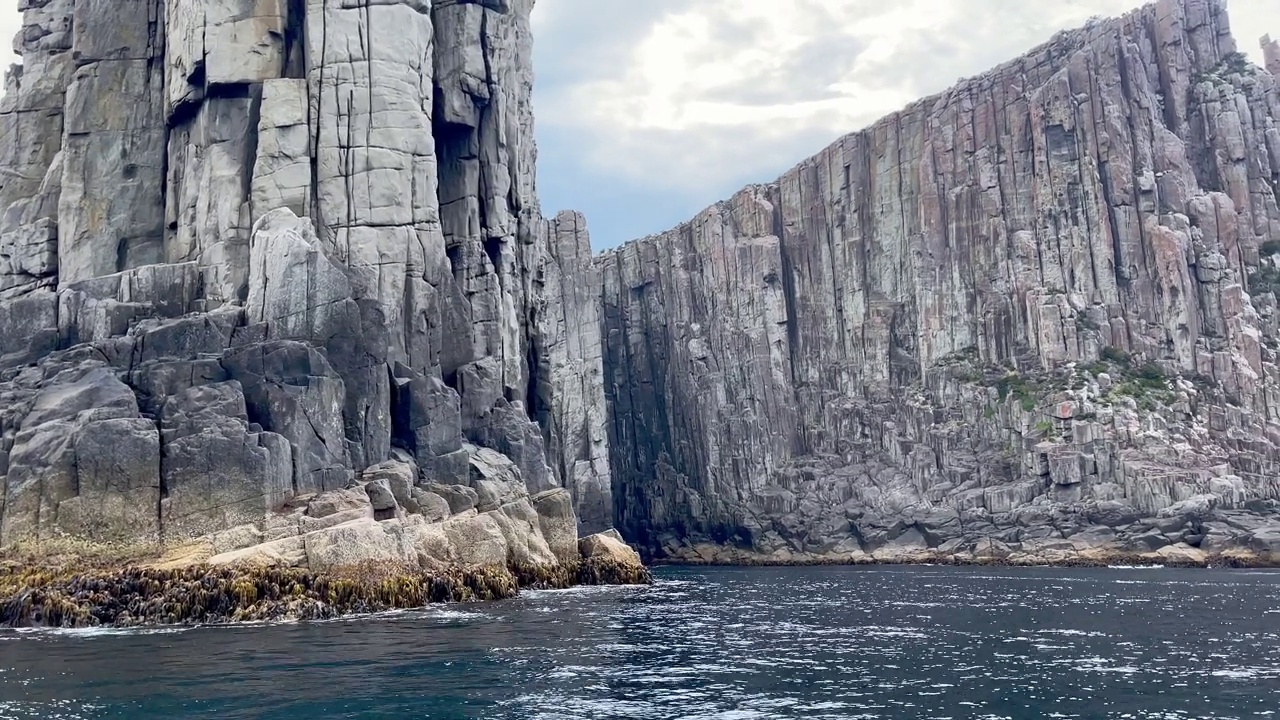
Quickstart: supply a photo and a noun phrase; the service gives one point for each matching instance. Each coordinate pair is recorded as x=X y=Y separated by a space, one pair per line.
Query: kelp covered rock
x=204 y=594
x=608 y=560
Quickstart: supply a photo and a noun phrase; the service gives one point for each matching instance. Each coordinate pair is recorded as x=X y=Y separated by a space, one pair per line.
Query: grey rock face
x=296 y=240
x=565 y=393
x=1041 y=300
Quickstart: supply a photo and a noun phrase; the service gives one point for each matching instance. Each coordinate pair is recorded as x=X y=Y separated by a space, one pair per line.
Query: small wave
x=1071 y=632
x=1247 y=673
x=97 y=632
x=448 y=614
x=1135 y=567
x=578 y=590
x=53 y=710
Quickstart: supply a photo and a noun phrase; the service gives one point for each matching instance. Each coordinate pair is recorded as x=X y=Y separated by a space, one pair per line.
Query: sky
x=648 y=111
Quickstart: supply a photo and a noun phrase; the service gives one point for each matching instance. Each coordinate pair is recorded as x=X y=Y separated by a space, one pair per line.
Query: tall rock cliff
x=1036 y=313
x=254 y=251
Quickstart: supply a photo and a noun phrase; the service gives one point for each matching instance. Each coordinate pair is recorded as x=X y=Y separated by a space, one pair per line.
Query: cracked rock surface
x=1034 y=314
x=254 y=251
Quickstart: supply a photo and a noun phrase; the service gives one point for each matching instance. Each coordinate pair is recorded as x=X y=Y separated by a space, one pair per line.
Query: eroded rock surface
x=1035 y=313
x=253 y=251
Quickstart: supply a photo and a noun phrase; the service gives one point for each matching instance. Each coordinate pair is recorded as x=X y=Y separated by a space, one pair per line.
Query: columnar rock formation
x=1037 y=311
x=251 y=248
x=1271 y=54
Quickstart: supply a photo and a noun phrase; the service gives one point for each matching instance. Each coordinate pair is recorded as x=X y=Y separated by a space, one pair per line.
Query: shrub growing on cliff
x=1264 y=279
x=1019 y=387
x=1116 y=355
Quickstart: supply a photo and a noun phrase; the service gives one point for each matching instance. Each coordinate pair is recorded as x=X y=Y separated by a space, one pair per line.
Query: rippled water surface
x=710 y=643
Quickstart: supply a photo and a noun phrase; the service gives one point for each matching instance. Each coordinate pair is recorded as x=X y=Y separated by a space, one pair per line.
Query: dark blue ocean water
x=813 y=643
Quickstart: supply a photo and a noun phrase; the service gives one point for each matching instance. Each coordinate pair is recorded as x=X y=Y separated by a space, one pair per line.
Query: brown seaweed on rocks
x=35 y=596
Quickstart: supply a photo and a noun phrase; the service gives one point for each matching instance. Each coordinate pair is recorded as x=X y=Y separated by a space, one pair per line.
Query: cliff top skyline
x=647 y=113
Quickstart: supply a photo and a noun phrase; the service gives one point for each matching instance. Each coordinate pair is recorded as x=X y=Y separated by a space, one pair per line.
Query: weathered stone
x=354 y=543
x=217 y=473
x=291 y=390
x=556 y=518
x=431 y=506
x=999 y=298
x=610 y=546
x=460 y=498
x=118 y=482
x=477 y=539
x=294 y=254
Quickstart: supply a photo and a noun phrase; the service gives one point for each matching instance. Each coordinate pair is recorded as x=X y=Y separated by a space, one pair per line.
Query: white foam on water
x=452 y=614
x=580 y=590
x=97 y=632
x=1247 y=673
x=1073 y=633
x=53 y=710
x=1135 y=567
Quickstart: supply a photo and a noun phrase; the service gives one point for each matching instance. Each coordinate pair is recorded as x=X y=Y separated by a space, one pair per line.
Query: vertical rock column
x=1271 y=55
x=111 y=210
x=566 y=388
x=369 y=70
x=31 y=113
x=218 y=56
x=491 y=223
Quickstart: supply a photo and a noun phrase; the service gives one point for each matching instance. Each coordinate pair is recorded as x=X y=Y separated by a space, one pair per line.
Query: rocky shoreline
x=998 y=555
x=381 y=543
x=131 y=596
x=77 y=592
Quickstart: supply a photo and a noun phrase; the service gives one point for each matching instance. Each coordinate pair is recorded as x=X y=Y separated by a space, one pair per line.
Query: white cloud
x=703 y=95
x=718 y=89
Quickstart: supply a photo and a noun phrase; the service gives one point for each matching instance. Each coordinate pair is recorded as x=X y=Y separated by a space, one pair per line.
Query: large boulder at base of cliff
x=1266 y=541
x=357 y=542
x=291 y=390
x=559 y=526
x=287 y=552
x=217 y=471
x=430 y=506
x=608 y=559
x=459 y=497
x=72 y=409
x=118 y=478
x=399 y=478
x=526 y=545
x=1196 y=508
x=477 y=539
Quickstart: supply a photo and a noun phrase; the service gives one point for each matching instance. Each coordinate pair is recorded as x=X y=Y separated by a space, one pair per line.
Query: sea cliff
x=1033 y=315
x=274 y=282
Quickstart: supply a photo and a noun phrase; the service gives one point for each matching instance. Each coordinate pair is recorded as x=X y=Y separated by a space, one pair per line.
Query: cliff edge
x=274 y=278
x=1033 y=316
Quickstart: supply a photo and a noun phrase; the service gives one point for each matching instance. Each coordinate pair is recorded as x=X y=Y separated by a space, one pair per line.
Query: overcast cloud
x=650 y=110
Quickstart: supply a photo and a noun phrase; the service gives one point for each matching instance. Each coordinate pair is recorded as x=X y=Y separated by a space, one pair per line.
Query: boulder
x=118 y=478
x=559 y=526
x=381 y=499
x=477 y=539
x=607 y=558
x=288 y=552
x=460 y=498
x=354 y=543
x=430 y=505
x=217 y=472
